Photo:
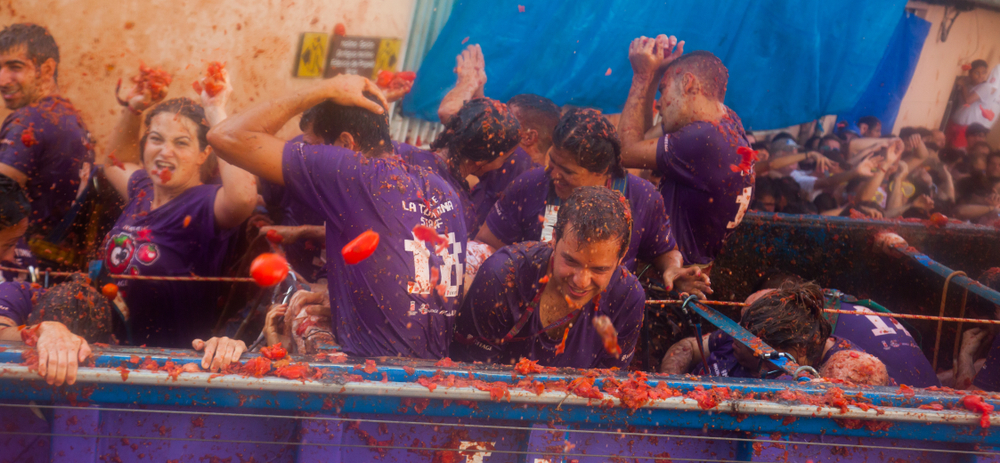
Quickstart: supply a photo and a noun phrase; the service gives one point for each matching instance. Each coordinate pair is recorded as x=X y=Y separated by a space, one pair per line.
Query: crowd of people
x=516 y=235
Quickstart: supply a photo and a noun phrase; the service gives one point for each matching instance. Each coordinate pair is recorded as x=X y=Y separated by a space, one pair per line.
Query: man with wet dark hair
x=493 y=177
x=538 y=117
x=884 y=337
x=45 y=146
x=545 y=302
x=707 y=185
x=478 y=140
x=790 y=320
x=417 y=284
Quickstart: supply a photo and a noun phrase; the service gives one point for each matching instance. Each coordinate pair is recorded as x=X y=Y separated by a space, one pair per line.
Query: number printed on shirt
x=450 y=271
x=881 y=328
x=744 y=201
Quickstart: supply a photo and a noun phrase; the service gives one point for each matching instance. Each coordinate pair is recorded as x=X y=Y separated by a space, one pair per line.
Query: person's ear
x=346 y=140
x=863 y=128
x=529 y=137
x=48 y=69
x=690 y=84
x=203 y=156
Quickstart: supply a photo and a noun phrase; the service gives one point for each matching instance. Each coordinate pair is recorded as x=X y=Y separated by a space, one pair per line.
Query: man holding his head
x=704 y=187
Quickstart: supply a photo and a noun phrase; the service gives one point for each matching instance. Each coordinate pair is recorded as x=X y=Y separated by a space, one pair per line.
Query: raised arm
x=649 y=58
x=237 y=198
x=471 y=69
x=123 y=155
x=247 y=140
x=871 y=187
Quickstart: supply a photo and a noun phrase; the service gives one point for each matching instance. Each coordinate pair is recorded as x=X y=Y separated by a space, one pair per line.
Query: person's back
x=883 y=337
x=393 y=293
x=46 y=146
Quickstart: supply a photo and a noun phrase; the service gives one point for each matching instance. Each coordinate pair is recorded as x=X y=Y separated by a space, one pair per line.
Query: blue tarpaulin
x=892 y=76
x=789 y=61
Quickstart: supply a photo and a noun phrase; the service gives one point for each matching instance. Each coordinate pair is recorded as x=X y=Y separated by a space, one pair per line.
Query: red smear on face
x=428 y=235
x=360 y=248
x=608 y=334
x=110 y=290
x=268 y=269
x=28 y=136
x=340 y=29
x=746 y=163
x=273 y=237
x=975 y=403
x=986 y=113
x=275 y=352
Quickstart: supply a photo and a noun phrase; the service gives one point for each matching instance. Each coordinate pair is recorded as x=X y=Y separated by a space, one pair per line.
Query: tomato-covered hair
x=79 y=306
x=483 y=130
x=708 y=68
x=790 y=317
x=596 y=213
x=38 y=43
x=592 y=140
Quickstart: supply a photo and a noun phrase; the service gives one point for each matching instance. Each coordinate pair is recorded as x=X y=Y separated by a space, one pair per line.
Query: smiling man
x=539 y=301
x=44 y=145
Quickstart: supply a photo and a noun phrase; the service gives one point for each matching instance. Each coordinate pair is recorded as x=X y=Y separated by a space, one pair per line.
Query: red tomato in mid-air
x=268 y=269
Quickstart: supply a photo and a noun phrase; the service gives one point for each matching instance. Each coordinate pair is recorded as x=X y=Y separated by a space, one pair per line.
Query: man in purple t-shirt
x=401 y=300
x=545 y=302
x=44 y=145
x=706 y=186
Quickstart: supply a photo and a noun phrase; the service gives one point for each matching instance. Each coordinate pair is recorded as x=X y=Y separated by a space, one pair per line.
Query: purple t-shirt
x=23 y=258
x=888 y=340
x=505 y=288
x=494 y=182
x=528 y=209
x=306 y=256
x=705 y=199
x=722 y=359
x=157 y=242
x=400 y=301
x=56 y=148
x=438 y=166
x=16 y=301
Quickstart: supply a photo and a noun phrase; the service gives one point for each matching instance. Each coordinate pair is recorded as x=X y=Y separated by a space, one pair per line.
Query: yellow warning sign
x=312 y=54
x=387 y=56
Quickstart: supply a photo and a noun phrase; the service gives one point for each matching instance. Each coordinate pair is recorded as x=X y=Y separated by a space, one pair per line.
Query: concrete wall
x=102 y=41
x=975 y=35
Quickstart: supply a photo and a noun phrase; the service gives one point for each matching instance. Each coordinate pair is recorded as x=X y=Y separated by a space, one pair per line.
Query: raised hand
x=349 y=90
x=220 y=99
x=650 y=57
x=471 y=66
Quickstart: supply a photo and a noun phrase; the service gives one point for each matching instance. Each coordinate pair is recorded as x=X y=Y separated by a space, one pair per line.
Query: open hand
x=471 y=66
x=349 y=90
x=689 y=280
x=59 y=353
x=219 y=352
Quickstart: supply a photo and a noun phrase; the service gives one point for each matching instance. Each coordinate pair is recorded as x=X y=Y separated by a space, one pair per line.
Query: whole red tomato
x=268 y=269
